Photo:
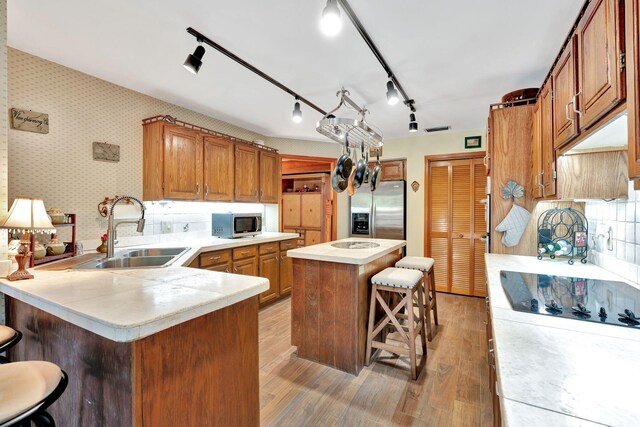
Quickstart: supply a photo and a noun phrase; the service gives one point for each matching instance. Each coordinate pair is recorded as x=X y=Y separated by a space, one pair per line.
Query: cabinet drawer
x=245 y=252
x=226 y=267
x=214 y=258
x=268 y=248
x=288 y=244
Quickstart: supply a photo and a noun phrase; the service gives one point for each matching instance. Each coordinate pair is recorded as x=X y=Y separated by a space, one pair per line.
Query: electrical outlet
x=165 y=227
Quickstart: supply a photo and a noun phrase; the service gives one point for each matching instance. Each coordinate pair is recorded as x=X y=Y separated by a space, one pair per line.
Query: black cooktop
x=590 y=300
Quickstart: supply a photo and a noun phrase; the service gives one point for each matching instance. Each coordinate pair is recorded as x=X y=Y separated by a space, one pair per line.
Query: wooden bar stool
x=27 y=389
x=425 y=265
x=407 y=285
x=8 y=338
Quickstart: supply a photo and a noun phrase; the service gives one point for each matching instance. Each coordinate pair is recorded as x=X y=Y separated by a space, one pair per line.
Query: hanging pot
x=375 y=175
x=337 y=183
x=345 y=164
x=361 y=169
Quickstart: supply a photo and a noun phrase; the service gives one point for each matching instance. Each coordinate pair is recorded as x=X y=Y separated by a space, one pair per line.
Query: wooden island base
x=330 y=309
x=202 y=372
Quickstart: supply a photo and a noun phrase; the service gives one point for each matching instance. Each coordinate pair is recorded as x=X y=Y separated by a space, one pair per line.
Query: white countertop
x=129 y=304
x=329 y=253
x=555 y=371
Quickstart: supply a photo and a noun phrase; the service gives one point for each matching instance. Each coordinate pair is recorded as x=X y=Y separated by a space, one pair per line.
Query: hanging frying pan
x=338 y=184
x=361 y=169
x=375 y=175
x=345 y=164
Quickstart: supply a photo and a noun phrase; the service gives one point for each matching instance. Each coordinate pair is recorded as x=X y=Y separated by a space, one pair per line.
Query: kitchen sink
x=154 y=252
x=135 y=262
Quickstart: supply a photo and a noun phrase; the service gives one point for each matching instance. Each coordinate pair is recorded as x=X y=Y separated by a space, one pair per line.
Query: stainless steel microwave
x=231 y=225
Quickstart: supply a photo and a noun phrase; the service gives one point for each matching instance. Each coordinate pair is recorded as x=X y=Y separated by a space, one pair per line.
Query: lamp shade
x=27 y=214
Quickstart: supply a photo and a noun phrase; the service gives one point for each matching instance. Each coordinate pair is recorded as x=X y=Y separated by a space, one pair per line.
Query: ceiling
x=453 y=60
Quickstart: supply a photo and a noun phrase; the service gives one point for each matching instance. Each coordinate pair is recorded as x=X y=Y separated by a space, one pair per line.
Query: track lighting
x=194 y=62
x=331 y=23
x=392 y=94
x=296 y=116
x=413 y=124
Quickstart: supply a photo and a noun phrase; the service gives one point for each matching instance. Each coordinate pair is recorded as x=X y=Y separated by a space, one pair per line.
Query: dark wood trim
x=455 y=156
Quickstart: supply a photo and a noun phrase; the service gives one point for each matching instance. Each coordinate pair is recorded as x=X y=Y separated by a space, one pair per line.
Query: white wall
x=413 y=149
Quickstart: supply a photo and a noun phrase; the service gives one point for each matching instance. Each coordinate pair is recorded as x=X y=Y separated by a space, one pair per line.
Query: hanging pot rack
x=358 y=130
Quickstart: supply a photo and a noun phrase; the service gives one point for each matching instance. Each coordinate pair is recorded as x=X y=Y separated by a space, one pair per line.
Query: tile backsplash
x=619 y=221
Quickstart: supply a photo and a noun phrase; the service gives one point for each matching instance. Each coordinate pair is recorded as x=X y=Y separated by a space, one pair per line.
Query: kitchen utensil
x=337 y=182
x=345 y=164
x=350 y=190
x=361 y=169
x=375 y=175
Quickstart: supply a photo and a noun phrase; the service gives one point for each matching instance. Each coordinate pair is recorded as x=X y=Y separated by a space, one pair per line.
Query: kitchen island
x=560 y=371
x=330 y=298
x=146 y=347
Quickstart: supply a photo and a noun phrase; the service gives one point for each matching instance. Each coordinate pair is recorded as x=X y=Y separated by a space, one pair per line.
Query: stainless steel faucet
x=112 y=225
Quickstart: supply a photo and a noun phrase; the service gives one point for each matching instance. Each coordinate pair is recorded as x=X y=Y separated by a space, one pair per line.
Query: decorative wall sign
x=372 y=152
x=415 y=185
x=29 y=121
x=105 y=152
x=473 y=142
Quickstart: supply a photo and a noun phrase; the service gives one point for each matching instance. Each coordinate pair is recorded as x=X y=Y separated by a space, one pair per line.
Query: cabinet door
x=270 y=177
x=246 y=267
x=393 y=170
x=223 y=268
x=548 y=178
x=286 y=273
x=632 y=16
x=290 y=210
x=270 y=269
x=182 y=164
x=565 y=119
x=601 y=76
x=247 y=180
x=536 y=155
x=312 y=237
x=218 y=169
x=312 y=212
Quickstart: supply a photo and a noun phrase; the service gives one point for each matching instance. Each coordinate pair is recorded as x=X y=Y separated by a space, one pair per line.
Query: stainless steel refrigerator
x=379 y=214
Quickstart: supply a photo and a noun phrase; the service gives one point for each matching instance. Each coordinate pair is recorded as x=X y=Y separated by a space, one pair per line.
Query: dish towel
x=513 y=225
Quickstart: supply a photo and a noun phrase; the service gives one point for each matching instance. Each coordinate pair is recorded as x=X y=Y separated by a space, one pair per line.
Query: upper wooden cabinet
x=632 y=18
x=247 y=173
x=547 y=146
x=564 y=76
x=180 y=163
x=393 y=170
x=536 y=153
x=218 y=169
x=269 y=177
x=600 y=42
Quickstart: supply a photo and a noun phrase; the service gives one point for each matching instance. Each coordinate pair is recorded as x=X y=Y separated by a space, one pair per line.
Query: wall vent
x=437 y=129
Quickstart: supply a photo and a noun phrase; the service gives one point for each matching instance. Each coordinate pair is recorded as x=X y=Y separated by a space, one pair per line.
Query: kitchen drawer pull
x=575 y=109
x=214 y=258
x=566 y=110
x=244 y=252
x=206 y=189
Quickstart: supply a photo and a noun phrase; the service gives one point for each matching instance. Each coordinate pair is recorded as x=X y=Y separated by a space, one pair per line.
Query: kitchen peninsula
x=147 y=347
x=330 y=298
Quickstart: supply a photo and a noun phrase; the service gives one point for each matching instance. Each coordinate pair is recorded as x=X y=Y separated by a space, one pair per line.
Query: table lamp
x=26 y=215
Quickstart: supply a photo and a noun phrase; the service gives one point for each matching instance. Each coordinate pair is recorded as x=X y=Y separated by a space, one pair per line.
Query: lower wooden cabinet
x=493 y=376
x=227 y=267
x=286 y=274
x=246 y=267
x=269 y=268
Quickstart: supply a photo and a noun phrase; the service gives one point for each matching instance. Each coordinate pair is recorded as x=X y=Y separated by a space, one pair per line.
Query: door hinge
x=555 y=175
x=623 y=60
x=551 y=93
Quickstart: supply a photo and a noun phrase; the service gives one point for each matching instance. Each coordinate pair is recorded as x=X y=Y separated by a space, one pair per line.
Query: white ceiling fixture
x=296 y=115
x=457 y=59
x=331 y=21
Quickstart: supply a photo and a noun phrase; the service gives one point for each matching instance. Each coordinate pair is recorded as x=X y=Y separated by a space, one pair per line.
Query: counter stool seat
x=407 y=285
x=8 y=338
x=425 y=265
x=27 y=389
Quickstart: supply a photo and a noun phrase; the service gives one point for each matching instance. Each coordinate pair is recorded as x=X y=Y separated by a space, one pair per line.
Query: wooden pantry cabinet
x=392 y=170
x=632 y=26
x=187 y=163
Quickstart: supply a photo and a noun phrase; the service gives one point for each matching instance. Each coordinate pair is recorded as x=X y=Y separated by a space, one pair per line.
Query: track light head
x=413 y=124
x=296 y=115
x=392 y=94
x=331 y=22
x=194 y=62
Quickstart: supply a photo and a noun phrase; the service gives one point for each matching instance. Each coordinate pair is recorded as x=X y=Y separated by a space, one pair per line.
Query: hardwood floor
x=452 y=390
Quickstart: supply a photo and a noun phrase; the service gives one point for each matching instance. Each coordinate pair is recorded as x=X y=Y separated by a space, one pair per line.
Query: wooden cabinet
x=312 y=237
x=291 y=206
x=286 y=273
x=218 y=169
x=269 y=268
x=393 y=170
x=547 y=146
x=493 y=376
x=311 y=210
x=564 y=78
x=632 y=37
x=536 y=153
x=269 y=177
x=247 y=173
x=246 y=267
x=182 y=164
x=600 y=60
x=217 y=260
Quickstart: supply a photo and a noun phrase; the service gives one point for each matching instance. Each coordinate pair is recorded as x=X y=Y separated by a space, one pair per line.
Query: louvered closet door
x=456 y=225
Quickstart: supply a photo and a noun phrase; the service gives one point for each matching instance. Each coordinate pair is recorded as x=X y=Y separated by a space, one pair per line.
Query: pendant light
x=331 y=22
x=392 y=94
x=194 y=62
x=296 y=115
x=413 y=124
